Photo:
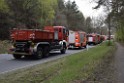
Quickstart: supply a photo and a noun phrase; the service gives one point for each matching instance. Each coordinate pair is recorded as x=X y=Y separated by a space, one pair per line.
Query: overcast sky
x=86 y=7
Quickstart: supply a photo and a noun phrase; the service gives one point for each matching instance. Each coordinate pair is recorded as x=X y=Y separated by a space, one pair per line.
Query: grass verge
x=71 y=69
x=105 y=71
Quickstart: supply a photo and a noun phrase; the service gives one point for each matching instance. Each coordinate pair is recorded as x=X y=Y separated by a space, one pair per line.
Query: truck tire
x=46 y=51
x=17 y=56
x=63 y=50
x=39 y=53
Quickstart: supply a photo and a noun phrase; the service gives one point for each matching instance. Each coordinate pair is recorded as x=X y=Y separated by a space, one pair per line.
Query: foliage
x=60 y=17
x=4 y=20
x=31 y=13
x=25 y=14
x=75 y=18
x=3 y=6
x=4 y=46
x=116 y=11
x=67 y=14
x=88 y=25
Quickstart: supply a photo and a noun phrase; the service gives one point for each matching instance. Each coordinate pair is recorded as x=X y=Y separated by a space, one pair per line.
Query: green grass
x=69 y=69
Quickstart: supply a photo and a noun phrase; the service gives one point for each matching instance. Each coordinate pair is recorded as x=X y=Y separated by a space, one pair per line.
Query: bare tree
x=98 y=23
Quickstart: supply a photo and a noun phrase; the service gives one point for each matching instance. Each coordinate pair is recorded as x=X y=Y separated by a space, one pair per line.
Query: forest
x=35 y=14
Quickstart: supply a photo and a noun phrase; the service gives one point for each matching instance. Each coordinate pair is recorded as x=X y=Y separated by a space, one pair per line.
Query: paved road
x=8 y=63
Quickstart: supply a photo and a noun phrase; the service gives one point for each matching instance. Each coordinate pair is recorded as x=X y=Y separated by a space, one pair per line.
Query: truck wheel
x=46 y=51
x=17 y=56
x=39 y=53
x=63 y=50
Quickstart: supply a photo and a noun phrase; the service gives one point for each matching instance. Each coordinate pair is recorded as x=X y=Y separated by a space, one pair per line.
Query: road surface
x=8 y=63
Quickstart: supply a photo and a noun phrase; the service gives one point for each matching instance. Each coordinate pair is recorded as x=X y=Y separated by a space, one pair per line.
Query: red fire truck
x=39 y=43
x=92 y=39
x=77 y=39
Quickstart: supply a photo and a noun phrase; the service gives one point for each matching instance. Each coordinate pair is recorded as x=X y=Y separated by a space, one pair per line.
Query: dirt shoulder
x=105 y=72
x=119 y=63
x=111 y=69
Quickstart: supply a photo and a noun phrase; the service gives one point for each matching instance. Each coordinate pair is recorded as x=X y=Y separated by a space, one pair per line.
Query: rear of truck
x=92 y=39
x=25 y=42
x=84 y=39
x=39 y=43
x=77 y=39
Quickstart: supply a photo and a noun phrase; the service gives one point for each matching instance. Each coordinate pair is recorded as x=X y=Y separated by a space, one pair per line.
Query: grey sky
x=86 y=6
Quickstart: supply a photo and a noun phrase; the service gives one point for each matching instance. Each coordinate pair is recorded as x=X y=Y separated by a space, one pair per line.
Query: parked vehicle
x=39 y=43
x=77 y=39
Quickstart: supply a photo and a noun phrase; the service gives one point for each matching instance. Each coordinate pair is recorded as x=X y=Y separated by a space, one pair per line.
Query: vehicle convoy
x=95 y=38
x=77 y=39
x=38 y=43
